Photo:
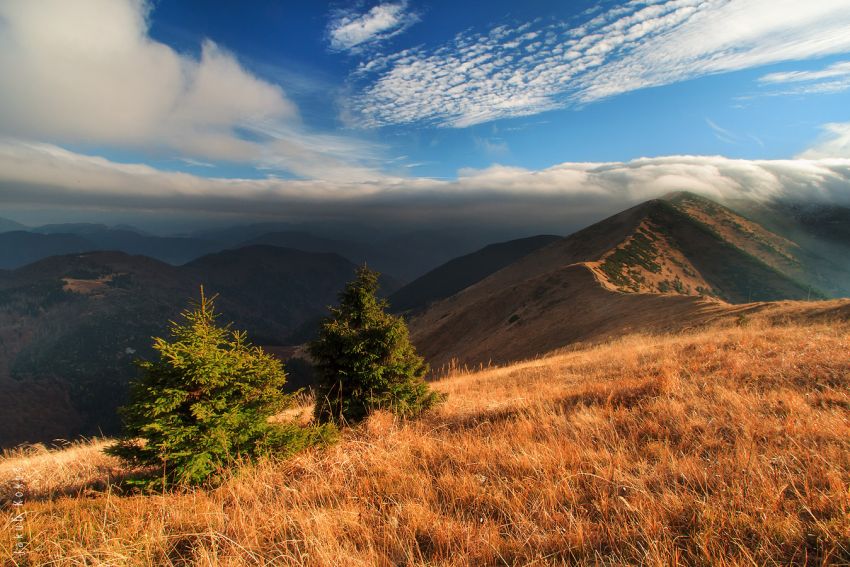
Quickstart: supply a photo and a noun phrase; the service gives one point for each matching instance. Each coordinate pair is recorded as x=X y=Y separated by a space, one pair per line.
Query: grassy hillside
x=550 y=311
x=769 y=247
x=566 y=306
x=684 y=245
x=729 y=446
x=661 y=266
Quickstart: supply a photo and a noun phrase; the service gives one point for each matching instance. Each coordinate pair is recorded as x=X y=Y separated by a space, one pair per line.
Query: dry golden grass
x=80 y=466
x=727 y=447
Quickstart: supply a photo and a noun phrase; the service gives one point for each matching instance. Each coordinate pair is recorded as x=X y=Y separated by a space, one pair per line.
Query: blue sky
x=187 y=105
x=731 y=113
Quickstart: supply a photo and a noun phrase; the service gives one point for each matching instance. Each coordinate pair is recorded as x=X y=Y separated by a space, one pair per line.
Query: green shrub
x=364 y=359
x=205 y=404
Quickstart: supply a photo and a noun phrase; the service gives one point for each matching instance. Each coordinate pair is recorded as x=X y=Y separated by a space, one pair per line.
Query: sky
x=538 y=114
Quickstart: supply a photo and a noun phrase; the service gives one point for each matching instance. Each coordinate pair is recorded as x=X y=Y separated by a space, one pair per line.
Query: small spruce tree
x=364 y=359
x=205 y=403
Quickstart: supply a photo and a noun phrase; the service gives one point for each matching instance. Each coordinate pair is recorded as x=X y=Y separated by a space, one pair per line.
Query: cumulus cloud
x=87 y=71
x=555 y=199
x=516 y=71
x=834 y=144
x=349 y=30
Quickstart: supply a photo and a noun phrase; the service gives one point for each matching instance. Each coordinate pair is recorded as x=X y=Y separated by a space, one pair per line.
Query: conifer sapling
x=364 y=359
x=206 y=402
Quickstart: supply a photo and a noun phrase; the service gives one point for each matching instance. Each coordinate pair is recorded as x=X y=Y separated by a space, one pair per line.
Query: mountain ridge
x=653 y=267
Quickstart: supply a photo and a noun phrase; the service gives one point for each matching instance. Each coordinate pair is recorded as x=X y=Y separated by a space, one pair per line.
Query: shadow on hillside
x=120 y=484
x=624 y=394
x=620 y=395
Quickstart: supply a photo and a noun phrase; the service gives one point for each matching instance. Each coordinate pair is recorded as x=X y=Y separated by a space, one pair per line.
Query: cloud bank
x=508 y=72
x=87 y=71
x=349 y=30
x=559 y=198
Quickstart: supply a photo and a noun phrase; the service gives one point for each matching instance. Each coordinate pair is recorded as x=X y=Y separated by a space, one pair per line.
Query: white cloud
x=480 y=77
x=491 y=146
x=87 y=71
x=557 y=199
x=721 y=133
x=840 y=69
x=351 y=31
x=835 y=143
x=816 y=88
x=195 y=162
x=830 y=80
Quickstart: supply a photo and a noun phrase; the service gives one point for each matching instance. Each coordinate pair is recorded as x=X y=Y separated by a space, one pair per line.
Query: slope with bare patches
x=648 y=261
x=650 y=268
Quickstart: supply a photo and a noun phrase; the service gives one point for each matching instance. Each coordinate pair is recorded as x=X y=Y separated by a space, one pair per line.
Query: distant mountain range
x=19 y=248
x=405 y=255
x=21 y=245
x=72 y=323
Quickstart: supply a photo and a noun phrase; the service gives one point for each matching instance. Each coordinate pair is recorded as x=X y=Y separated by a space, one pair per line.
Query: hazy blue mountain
x=172 y=249
x=7 y=225
x=236 y=235
x=461 y=272
x=406 y=255
x=308 y=242
x=18 y=248
x=80 y=228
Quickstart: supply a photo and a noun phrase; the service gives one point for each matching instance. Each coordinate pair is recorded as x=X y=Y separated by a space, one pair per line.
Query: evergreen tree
x=206 y=402
x=364 y=359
